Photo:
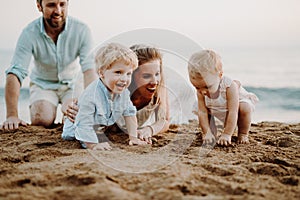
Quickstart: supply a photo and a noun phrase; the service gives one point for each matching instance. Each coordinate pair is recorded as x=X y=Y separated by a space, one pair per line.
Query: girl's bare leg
x=244 y=122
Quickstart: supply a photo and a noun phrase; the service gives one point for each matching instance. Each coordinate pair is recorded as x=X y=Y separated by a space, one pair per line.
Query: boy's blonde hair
x=107 y=55
x=205 y=61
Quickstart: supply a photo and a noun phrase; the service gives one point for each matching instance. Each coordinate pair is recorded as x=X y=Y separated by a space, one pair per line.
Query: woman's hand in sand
x=208 y=138
x=98 y=146
x=12 y=123
x=70 y=109
x=224 y=139
x=145 y=134
x=136 y=141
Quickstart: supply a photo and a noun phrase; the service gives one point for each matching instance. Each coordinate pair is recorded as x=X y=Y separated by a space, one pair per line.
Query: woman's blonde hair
x=107 y=55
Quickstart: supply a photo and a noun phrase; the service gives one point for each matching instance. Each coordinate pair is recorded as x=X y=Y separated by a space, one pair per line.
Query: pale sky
x=207 y=22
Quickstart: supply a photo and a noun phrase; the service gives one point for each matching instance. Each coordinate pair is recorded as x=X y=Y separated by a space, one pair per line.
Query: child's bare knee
x=245 y=109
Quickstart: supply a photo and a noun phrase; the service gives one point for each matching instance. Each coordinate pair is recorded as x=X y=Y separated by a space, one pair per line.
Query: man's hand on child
x=70 y=109
x=224 y=139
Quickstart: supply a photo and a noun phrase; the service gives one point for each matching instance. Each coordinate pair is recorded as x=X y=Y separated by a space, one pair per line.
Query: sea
x=272 y=73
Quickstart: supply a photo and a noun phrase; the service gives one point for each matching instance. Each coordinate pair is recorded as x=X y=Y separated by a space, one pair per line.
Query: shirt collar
x=108 y=94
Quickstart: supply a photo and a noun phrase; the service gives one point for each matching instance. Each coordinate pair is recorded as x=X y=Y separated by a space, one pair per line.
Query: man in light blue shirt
x=59 y=45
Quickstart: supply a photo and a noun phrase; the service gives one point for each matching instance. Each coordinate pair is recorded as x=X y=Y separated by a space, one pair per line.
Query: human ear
x=100 y=73
x=220 y=74
x=39 y=6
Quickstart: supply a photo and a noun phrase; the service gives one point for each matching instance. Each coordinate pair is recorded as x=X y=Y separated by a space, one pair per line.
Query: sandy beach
x=37 y=164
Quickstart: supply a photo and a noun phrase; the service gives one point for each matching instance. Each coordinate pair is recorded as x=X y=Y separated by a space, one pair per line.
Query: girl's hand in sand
x=70 y=109
x=224 y=140
x=136 y=141
x=208 y=138
x=243 y=139
x=12 y=123
x=98 y=146
x=145 y=134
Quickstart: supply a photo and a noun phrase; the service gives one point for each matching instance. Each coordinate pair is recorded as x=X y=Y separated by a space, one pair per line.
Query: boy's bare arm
x=131 y=125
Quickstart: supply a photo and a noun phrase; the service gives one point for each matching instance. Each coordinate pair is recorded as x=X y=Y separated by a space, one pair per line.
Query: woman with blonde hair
x=148 y=92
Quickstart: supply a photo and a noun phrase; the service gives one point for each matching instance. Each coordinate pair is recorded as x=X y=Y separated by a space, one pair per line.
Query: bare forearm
x=233 y=108
x=89 y=76
x=230 y=123
x=160 y=126
x=204 y=123
x=12 y=92
x=131 y=125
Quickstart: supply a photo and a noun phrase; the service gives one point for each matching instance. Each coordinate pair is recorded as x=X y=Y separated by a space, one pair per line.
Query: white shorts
x=53 y=96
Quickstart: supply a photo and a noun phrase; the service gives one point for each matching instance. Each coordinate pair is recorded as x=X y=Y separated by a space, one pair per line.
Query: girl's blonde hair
x=205 y=61
x=107 y=55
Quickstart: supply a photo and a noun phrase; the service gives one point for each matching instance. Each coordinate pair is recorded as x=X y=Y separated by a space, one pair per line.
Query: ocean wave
x=24 y=93
x=271 y=98
x=274 y=98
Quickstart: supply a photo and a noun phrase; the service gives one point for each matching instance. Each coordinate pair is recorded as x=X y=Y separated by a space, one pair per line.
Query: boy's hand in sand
x=70 y=109
x=243 y=139
x=136 y=141
x=98 y=146
x=208 y=138
x=224 y=140
x=12 y=123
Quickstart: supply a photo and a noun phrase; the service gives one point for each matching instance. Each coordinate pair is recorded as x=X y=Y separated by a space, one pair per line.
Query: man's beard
x=56 y=24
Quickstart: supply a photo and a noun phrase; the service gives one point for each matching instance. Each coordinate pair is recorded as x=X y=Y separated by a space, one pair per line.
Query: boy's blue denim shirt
x=54 y=64
x=96 y=107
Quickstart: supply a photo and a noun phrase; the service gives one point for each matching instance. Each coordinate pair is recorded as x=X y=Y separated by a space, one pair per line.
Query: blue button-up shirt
x=54 y=64
x=96 y=107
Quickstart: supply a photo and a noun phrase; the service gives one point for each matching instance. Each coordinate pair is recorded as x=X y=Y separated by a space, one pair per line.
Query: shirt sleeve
x=85 y=120
x=22 y=56
x=85 y=52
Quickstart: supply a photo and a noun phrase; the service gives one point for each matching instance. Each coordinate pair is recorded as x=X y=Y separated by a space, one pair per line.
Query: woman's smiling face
x=147 y=77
